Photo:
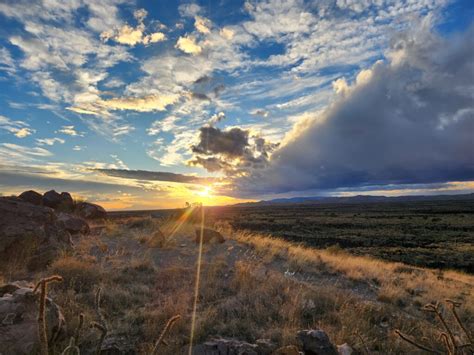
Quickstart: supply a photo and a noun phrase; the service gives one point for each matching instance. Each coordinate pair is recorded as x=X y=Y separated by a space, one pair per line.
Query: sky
x=151 y=104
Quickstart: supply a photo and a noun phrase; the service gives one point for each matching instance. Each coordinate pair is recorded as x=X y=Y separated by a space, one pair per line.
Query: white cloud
x=7 y=64
x=18 y=128
x=50 y=141
x=202 y=24
x=386 y=128
x=189 y=10
x=70 y=131
x=188 y=45
x=13 y=152
x=132 y=36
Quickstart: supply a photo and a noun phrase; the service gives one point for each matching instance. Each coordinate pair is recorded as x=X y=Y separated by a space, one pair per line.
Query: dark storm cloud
x=232 y=152
x=200 y=96
x=211 y=164
x=214 y=141
x=154 y=176
x=408 y=120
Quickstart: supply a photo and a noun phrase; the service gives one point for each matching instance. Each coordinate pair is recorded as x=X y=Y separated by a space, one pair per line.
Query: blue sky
x=246 y=94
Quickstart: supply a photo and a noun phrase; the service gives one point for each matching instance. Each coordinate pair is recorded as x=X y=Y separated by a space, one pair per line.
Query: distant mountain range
x=357 y=199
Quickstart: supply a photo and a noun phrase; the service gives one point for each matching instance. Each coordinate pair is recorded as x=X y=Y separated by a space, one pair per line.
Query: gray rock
x=89 y=210
x=32 y=197
x=74 y=224
x=18 y=317
x=265 y=346
x=51 y=199
x=316 y=342
x=30 y=232
x=222 y=346
x=117 y=345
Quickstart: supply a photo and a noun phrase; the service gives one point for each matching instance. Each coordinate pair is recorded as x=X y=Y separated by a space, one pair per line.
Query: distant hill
x=356 y=199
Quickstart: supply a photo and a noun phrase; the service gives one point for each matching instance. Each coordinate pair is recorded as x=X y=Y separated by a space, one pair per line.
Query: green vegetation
x=437 y=234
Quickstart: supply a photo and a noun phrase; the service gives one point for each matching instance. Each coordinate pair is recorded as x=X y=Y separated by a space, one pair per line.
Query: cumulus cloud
x=132 y=36
x=202 y=24
x=189 y=10
x=18 y=128
x=214 y=141
x=216 y=118
x=188 y=45
x=70 y=131
x=234 y=151
x=406 y=121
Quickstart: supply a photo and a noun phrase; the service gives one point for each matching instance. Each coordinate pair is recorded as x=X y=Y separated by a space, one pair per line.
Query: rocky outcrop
x=313 y=341
x=74 y=224
x=209 y=236
x=18 y=317
x=67 y=203
x=316 y=342
x=30 y=232
x=222 y=346
x=225 y=347
x=51 y=199
x=89 y=210
x=32 y=197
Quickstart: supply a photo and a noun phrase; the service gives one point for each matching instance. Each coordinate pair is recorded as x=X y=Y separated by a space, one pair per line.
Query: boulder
x=209 y=236
x=74 y=224
x=115 y=344
x=89 y=210
x=30 y=232
x=51 y=199
x=32 y=197
x=18 y=317
x=67 y=203
x=316 y=342
x=222 y=346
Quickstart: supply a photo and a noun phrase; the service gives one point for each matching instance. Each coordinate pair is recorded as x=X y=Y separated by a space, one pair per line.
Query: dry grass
x=357 y=300
x=410 y=283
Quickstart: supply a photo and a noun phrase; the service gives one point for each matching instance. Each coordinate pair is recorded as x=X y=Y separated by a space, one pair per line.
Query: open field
x=435 y=234
x=252 y=287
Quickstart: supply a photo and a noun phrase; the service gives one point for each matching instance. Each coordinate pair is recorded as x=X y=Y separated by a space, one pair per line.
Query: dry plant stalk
x=163 y=333
x=448 y=337
x=415 y=343
x=455 y=305
x=42 y=331
x=101 y=325
x=73 y=347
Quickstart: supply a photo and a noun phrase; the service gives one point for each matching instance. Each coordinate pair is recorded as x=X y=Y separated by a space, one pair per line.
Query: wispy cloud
x=50 y=141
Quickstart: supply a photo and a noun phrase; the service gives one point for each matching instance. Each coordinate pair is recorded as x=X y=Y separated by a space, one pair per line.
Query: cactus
x=101 y=325
x=165 y=330
x=448 y=338
x=42 y=331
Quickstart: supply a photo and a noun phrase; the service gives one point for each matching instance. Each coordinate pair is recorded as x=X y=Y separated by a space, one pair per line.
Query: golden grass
x=394 y=281
x=358 y=300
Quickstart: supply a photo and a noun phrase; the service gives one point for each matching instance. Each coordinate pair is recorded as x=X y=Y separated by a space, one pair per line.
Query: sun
x=205 y=192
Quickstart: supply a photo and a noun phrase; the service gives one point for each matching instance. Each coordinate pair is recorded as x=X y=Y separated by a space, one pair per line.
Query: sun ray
x=196 y=286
